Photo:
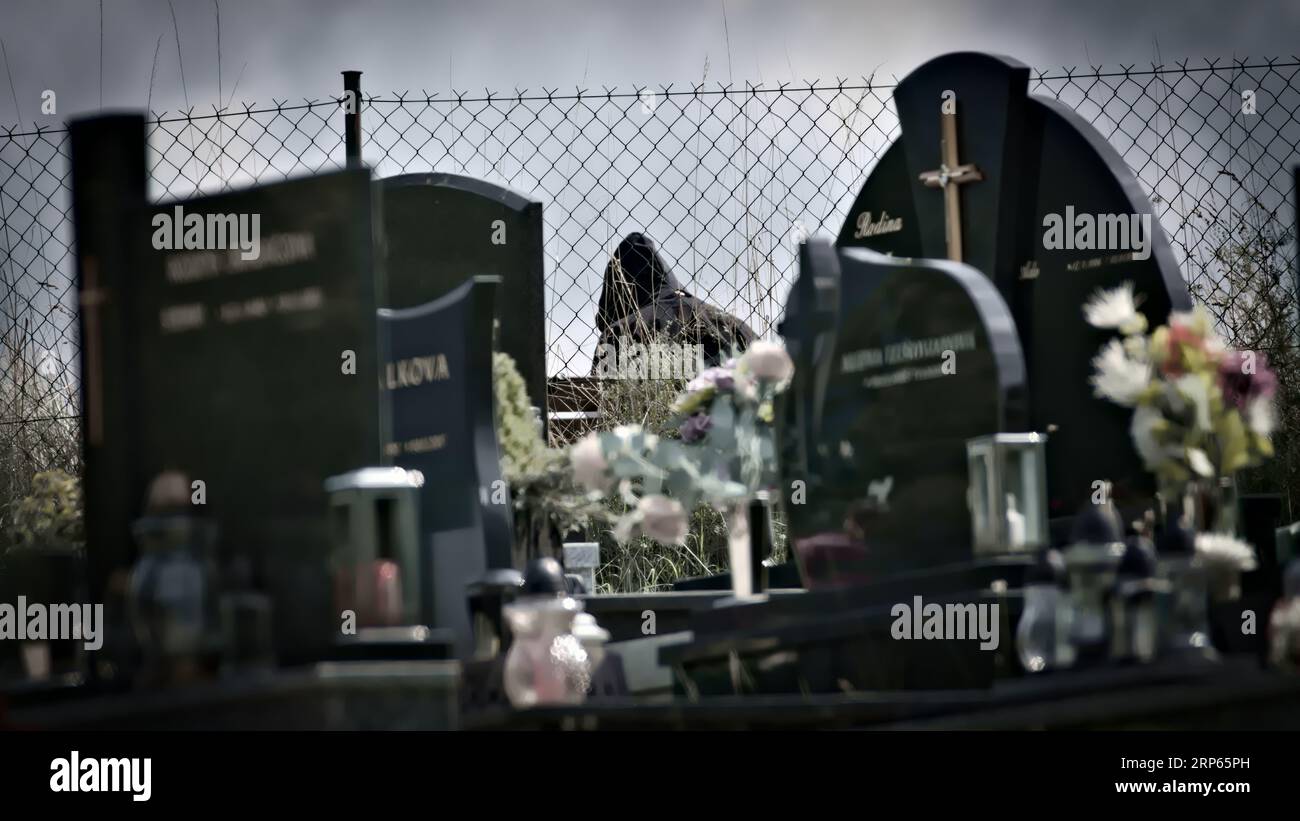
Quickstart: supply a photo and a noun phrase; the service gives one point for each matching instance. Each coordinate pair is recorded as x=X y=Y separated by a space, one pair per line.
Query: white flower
x=624 y=526
x=767 y=361
x=1199 y=462
x=1118 y=377
x=1115 y=308
x=628 y=435
x=663 y=519
x=1259 y=416
x=1142 y=429
x=1195 y=389
x=1215 y=347
x=589 y=465
x=1222 y=551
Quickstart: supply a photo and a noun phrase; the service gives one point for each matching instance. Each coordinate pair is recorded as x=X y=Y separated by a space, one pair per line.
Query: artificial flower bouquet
x=1201 y=410
x=725 y=455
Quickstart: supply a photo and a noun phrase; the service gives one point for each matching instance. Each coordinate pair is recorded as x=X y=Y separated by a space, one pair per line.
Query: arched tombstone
x=442 y=229
x=642 y=302
x=438 y=383
x=979 y=168
x=923 y=357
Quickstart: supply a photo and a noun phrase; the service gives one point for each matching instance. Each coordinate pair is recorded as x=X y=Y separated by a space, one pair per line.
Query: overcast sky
x=296 y=48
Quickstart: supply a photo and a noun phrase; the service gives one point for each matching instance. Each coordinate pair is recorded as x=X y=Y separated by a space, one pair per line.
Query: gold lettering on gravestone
x=176 y=318
x=420 y=444
x=415 y=371
x=907 y=350
x=287 y=302
x=1098 y=262
x=276 y=251
x=885 y=225
x=901 y=355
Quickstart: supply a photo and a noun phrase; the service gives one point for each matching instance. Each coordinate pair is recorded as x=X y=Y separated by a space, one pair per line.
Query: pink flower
x=589 y=465
x=719 y=378
x=694 y=427
x=1244 y=376
x=663 y=519
x=768 y=361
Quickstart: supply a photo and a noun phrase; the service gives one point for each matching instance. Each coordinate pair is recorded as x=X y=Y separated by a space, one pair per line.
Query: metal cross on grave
x=950 y=175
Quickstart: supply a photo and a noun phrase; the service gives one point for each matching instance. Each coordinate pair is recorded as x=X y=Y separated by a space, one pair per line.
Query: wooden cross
x=951 y=174
x=91 y=298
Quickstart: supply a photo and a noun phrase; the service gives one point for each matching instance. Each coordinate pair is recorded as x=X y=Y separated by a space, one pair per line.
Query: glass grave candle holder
x=1185 y=626
x=1043 y=634
x=374 y=516
x=1008 y=492
x=1092 y=563
x=546 y=662
x=170 y=595
x=1135 y=605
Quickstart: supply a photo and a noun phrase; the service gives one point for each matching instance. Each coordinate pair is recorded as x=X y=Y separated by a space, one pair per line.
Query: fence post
x=352 y=117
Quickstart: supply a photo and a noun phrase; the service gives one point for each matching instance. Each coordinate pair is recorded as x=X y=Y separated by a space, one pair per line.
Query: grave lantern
x=1008 y=492
x=374 y=519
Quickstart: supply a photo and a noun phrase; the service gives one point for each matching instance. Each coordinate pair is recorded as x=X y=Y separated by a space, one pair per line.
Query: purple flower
x=1245 y=375
x=719 y=378
x=695 y=426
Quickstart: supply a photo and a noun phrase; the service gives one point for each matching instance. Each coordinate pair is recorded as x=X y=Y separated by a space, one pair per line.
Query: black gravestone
x=924 y=357
x=439 y=383
x=1018 y=159
x=442 y=229
x=809 y=327
x=253 y=376
x=1090 y=436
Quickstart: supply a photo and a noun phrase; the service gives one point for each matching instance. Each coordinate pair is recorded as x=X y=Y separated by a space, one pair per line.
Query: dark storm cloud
x=295 y=48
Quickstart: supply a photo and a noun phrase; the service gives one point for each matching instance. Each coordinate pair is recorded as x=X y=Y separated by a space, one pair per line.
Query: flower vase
x=761 y=540
x=1210 y=506
x=738 y=550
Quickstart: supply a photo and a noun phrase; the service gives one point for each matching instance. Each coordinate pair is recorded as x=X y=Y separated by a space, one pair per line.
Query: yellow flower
x=691 y=402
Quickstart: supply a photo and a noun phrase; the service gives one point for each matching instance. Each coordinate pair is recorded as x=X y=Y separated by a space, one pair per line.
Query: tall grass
x=642 y=564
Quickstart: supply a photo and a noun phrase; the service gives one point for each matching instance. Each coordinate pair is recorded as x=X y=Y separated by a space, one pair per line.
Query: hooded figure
x=641 y=301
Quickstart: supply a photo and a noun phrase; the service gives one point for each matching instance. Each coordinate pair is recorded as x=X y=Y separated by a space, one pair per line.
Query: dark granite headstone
x=925 y=357
x=438 y=379
x=442 y=229
x=810 y=325
x=253 y=376
x=1032 y=157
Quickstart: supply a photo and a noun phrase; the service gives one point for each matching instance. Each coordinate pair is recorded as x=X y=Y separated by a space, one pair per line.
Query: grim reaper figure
x=642 y=303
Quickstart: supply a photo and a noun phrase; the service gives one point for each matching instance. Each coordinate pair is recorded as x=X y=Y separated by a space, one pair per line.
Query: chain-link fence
x=723 y=178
